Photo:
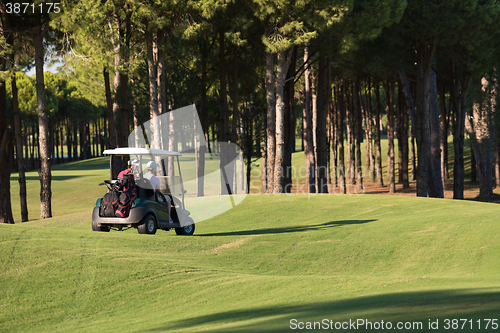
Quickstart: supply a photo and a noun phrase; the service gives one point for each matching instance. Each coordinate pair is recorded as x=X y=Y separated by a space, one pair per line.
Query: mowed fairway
x=255 y=268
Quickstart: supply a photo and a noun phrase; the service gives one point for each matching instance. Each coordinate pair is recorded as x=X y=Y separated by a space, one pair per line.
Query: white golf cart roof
x=140 y=151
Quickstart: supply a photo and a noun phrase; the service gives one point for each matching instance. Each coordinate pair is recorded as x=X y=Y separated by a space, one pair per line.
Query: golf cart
x=149 y=209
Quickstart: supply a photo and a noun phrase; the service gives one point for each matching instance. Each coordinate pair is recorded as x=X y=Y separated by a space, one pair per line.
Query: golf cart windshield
x=169 y=184
x=209 y=174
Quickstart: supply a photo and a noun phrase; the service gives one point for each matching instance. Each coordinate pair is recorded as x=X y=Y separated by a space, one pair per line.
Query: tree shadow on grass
x=54 y=178
x=88 y=164
x=299 y=228
x=419 y=309
x=495 y=198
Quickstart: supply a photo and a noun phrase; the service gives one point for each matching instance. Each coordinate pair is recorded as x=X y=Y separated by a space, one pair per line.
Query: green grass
x=71 y=182
x=271 y=259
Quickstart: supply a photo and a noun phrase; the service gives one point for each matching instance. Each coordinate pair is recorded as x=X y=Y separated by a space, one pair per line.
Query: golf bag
x=109 y=201
x=127 y=192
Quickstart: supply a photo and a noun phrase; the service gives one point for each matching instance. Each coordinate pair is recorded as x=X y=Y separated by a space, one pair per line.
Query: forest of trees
x=336 y=73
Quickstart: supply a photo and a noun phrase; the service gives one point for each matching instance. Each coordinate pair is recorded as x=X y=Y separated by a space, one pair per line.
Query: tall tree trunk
x=222 y=135
x=413 y=154
x=104 y=140
x=110 y=130
x=6 y=152
x=223 y=117
x=235 y=117
x=460 y=85
x=290 y=121
x=161 y=72
x=444 y=133
x=390 y=137
x=359 y=134
x=88 y=143
x=314 y=113
x=124 y=112
x=126 y=28
x=203 y=116
x=57 y=157
x=69 y=139
x=473 y=162
x=137 y=126
x=83 y=146
x=367 y=111
x=76 y=156
x=51 y=140
x=172 y=144
x=400 y=107
x=349 y=134
x=248 y=134
x=271 y=123
x=97 y=137
x=33 y=163
x=425 y=54
x=37 y=143
x=264 y=175
x=403 y=143
x=279 y=159
x=284 y=60
x=26 y=146
x=19 y=146
x=43 y=124
x=310 y=161
x=162 y=93
x=6 y=159
x=60 y=158
x=481 y=129
x=331 y=127
x=412 y=113
x=117 y=163
x=435 y=179
x=399 y=130
x=340 y=137
x=322 y=111
x=116 y=41
x=333 y=138
x=100 y=123
x=6 y=134
x=153 y=91
x=378 y=149
x=329 y=134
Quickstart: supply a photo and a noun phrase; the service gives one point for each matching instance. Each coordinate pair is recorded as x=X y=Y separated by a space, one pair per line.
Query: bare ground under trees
x=471 y=189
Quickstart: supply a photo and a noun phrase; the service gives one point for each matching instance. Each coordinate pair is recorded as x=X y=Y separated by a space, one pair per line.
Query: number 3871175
x=32 y=8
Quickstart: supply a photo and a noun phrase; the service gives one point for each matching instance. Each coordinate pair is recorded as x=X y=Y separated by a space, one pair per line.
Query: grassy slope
x=271 y=259
x=70 y=182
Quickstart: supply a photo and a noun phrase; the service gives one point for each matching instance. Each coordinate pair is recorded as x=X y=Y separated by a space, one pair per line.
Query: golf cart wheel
x=96 y=227
x=187 y=230
x=148 y=225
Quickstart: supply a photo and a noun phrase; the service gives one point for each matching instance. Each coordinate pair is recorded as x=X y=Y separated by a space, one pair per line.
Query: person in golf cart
x=133 y=168
x=151 y=175
x=155 y=181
